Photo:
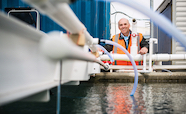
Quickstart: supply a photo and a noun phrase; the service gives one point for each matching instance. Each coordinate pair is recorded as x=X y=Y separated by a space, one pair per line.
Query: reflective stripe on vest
x=116 y=40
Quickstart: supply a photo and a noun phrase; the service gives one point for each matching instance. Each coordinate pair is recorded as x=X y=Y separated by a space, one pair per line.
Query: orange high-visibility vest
x=119 y=51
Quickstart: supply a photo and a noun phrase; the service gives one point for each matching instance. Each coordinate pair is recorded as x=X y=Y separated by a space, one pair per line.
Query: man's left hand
x=143 y=51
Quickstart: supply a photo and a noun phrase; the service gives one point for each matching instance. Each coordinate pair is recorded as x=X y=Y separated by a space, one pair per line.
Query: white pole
x=150 y=55
x=144 y=62
x=134 y=47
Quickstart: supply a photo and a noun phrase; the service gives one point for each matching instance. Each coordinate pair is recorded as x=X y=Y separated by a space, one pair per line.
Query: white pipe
x=57 y=48
x=151 y=52
x=61 y=13
x=134 y=47
x=155 y=57
x=176 y=67
x=155 y=67
x=144 y=62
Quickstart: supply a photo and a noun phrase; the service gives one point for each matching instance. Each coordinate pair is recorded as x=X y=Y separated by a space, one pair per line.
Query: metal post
x=151 y=23
x=115 y=23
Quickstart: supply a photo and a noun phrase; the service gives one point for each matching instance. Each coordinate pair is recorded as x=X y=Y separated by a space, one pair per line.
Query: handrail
x=32 y=10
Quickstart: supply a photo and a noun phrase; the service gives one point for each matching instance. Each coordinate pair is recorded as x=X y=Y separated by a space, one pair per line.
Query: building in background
x=174 y=10
x=100 y=19
x=119 y=11
x=94 y=15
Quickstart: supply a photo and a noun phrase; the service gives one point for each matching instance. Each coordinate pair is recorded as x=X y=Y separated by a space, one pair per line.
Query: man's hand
x=143 y=51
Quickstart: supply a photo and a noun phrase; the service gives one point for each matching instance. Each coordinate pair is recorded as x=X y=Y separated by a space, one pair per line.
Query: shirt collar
x=125 y=37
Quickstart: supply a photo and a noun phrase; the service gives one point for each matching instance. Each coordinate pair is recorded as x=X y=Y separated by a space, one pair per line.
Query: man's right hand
x=143 y=51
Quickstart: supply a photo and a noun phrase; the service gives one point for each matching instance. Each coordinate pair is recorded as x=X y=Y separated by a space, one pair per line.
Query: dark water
x=109 y=98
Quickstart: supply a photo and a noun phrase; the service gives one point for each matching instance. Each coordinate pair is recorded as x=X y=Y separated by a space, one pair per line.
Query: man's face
x=124 y=26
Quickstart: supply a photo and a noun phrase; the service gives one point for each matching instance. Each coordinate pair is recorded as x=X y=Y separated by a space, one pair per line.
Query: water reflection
x=109 y=98
x=114 y=98
x=165 y=98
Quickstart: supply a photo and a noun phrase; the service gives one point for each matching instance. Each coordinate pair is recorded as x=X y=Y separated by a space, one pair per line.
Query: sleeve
x=144 y=43
x=108 y=47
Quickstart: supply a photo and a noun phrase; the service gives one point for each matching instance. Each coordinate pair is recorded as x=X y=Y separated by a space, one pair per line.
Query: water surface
x=109 y=98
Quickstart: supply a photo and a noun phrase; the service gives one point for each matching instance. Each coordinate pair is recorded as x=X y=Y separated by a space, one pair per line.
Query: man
x=124 y=38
